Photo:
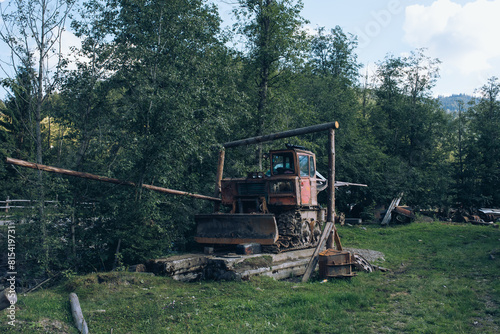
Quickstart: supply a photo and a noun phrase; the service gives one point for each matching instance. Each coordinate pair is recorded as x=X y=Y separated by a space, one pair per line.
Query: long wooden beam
x=284 y=134
x=63 y=171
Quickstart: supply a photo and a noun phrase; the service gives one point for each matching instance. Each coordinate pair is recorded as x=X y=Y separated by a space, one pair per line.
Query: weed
x=255 y=262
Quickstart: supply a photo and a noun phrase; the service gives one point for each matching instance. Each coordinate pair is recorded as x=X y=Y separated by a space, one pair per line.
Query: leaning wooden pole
x=63 y=171
x=313 y=262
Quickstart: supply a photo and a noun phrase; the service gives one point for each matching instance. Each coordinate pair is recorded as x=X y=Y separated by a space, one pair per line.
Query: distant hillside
x=450 y=103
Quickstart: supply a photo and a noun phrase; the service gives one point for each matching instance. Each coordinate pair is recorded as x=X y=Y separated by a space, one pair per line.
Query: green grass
x=443 y=280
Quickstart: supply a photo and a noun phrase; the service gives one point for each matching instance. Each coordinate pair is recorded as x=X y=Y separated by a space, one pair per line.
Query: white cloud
x=310 y=30
x=464 y=37
x=69 y=40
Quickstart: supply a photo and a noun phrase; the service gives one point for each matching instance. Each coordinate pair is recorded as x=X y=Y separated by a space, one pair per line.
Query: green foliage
x=412 y=130
x=274 y=44
x=480 y=176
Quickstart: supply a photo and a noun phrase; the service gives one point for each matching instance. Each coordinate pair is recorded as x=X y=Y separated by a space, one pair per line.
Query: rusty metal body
x=403 y=214
x=334 y=263
x=285 y=185
x=279 y=208
x=489 y=215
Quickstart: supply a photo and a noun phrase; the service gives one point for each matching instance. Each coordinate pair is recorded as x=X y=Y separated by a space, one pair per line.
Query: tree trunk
x=39 y=144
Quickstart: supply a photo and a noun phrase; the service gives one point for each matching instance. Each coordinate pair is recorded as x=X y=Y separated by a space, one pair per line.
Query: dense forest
x=157 y=86
x=453 y=102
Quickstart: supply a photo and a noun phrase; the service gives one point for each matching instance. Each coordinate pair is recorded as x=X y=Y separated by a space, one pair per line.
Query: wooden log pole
x=330 y=213
x=69 y=172
x=329 y=235
x=284 y=134
x=218 y=179
x=76 y=310
x=330 y=217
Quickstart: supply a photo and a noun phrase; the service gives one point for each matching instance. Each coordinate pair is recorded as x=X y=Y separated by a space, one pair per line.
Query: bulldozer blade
x=233 y=229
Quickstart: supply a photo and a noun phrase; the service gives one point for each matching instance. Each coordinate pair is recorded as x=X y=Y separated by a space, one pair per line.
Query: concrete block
x=247 y=249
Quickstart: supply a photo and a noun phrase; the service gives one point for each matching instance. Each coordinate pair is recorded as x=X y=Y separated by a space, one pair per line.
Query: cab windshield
x=283 y=163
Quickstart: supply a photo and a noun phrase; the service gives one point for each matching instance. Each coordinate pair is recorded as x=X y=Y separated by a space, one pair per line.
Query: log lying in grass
x=77 y=314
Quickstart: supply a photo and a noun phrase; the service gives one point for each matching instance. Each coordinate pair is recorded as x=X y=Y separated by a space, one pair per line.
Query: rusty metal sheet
x=236 y=229
x=405 y=212
x=333 y=263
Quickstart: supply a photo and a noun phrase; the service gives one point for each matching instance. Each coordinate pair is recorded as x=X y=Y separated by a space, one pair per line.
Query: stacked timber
x=188 y=267
x=194 y=267
x=232 y=266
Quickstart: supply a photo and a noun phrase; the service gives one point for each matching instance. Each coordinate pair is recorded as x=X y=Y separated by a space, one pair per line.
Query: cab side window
x=312 y=170
x=304 y=165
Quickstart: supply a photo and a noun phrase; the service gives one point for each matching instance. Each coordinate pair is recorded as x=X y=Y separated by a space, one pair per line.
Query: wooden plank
x=336 y=238
x=394 y=204
x=314 y=259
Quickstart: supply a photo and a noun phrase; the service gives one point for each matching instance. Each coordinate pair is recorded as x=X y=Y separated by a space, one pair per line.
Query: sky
x=462 y=34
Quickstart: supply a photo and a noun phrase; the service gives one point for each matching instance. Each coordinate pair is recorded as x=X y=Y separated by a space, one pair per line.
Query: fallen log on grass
x=77 y=314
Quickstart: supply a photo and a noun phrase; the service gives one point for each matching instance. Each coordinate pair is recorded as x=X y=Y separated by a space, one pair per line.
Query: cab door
x=307 y=168
x=305 y=179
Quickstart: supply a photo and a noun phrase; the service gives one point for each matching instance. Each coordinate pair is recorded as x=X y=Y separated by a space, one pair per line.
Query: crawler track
x=295 y=232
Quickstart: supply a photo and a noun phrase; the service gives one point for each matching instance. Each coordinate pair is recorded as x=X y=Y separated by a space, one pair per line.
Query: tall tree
x=19 y=112
x=482 y=148
x=411 y=127
x=32 y=31
x=169 y=86
x=460 y=125
x=328 y=83
x=86 y=88
x=273 y=40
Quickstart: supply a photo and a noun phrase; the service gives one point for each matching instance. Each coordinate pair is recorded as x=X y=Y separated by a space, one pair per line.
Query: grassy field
x=445 y=278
